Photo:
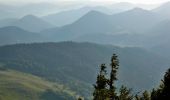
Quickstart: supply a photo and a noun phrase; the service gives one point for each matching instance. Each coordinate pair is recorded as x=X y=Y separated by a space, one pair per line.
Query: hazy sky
x=106 y=1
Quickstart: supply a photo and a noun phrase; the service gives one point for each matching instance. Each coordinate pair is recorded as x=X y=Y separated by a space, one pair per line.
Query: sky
x=105 y=1
x=137 y=1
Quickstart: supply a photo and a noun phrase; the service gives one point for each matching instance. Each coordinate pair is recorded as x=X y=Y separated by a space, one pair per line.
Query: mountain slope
x=163 y=10
x=91 y=23
x=7 y=22
x=76 y=64
x=159 y=34
x=69 y=16
x=66 y=17
x=160 y=38
x=13 y=35
x=29 y=22
x=136 y=21
x=32 y=23
x=16 y=85
x=125 y=39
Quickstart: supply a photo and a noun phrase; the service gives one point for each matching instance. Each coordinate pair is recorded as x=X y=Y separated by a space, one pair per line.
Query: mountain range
x=163 y=10
x=13 y=35
x=36 y=64
x=123 y=28
x=30 y=23
x=69 y=16
x=135 y=21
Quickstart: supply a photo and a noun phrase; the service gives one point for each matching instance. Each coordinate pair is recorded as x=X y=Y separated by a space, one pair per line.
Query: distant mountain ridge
x=69 y=16
x=32 y=23
x=32 y=47
x=163 y=10
x=135 y=27
x=13 y=35
x=135 y=21
x=28 y=22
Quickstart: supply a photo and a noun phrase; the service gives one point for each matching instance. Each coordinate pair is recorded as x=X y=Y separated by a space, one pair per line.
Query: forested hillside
x=74 y=64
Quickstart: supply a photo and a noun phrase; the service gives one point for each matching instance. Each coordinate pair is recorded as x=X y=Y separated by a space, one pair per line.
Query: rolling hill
x=16 y=85
x=76 y=64
x=125 y=39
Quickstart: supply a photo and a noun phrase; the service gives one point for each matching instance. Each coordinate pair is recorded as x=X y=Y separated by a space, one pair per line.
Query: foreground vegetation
x=105 y=88
x=74 y=65
x=16 y=85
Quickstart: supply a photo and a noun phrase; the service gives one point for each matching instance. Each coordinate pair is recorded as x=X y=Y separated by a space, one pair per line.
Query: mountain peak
x=29 y=17
x=137 y=9
x=163 y=10
x=94 y=13
x=165 y=6
x=32 y=23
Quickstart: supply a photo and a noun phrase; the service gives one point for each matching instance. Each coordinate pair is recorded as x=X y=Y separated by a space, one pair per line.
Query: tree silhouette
x=105 y=88
x=125 y=93
x=101 y=91
x=114 y=67
x=165 y=95
x=163 y=92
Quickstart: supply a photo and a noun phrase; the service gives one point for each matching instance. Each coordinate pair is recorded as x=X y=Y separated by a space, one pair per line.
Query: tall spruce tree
x=163 y=92
x=114 y=67
x=165 y=95
x=101 y=90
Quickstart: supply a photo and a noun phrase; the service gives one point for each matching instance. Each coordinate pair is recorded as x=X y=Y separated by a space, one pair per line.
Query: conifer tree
x=101 y=91
x=105 y=88
x=114 y=67
x=155 y=94
x=165 y=95
x=146 y=96
x=163 y=92
x=125 y=93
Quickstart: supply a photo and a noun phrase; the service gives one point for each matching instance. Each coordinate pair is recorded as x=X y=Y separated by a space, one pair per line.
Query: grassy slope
x=16 y=86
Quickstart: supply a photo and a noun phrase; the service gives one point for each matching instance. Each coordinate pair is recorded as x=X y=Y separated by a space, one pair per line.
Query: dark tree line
x=105 y=88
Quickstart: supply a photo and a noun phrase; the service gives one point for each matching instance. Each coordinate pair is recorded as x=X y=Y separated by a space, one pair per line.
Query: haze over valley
x=59 y=46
